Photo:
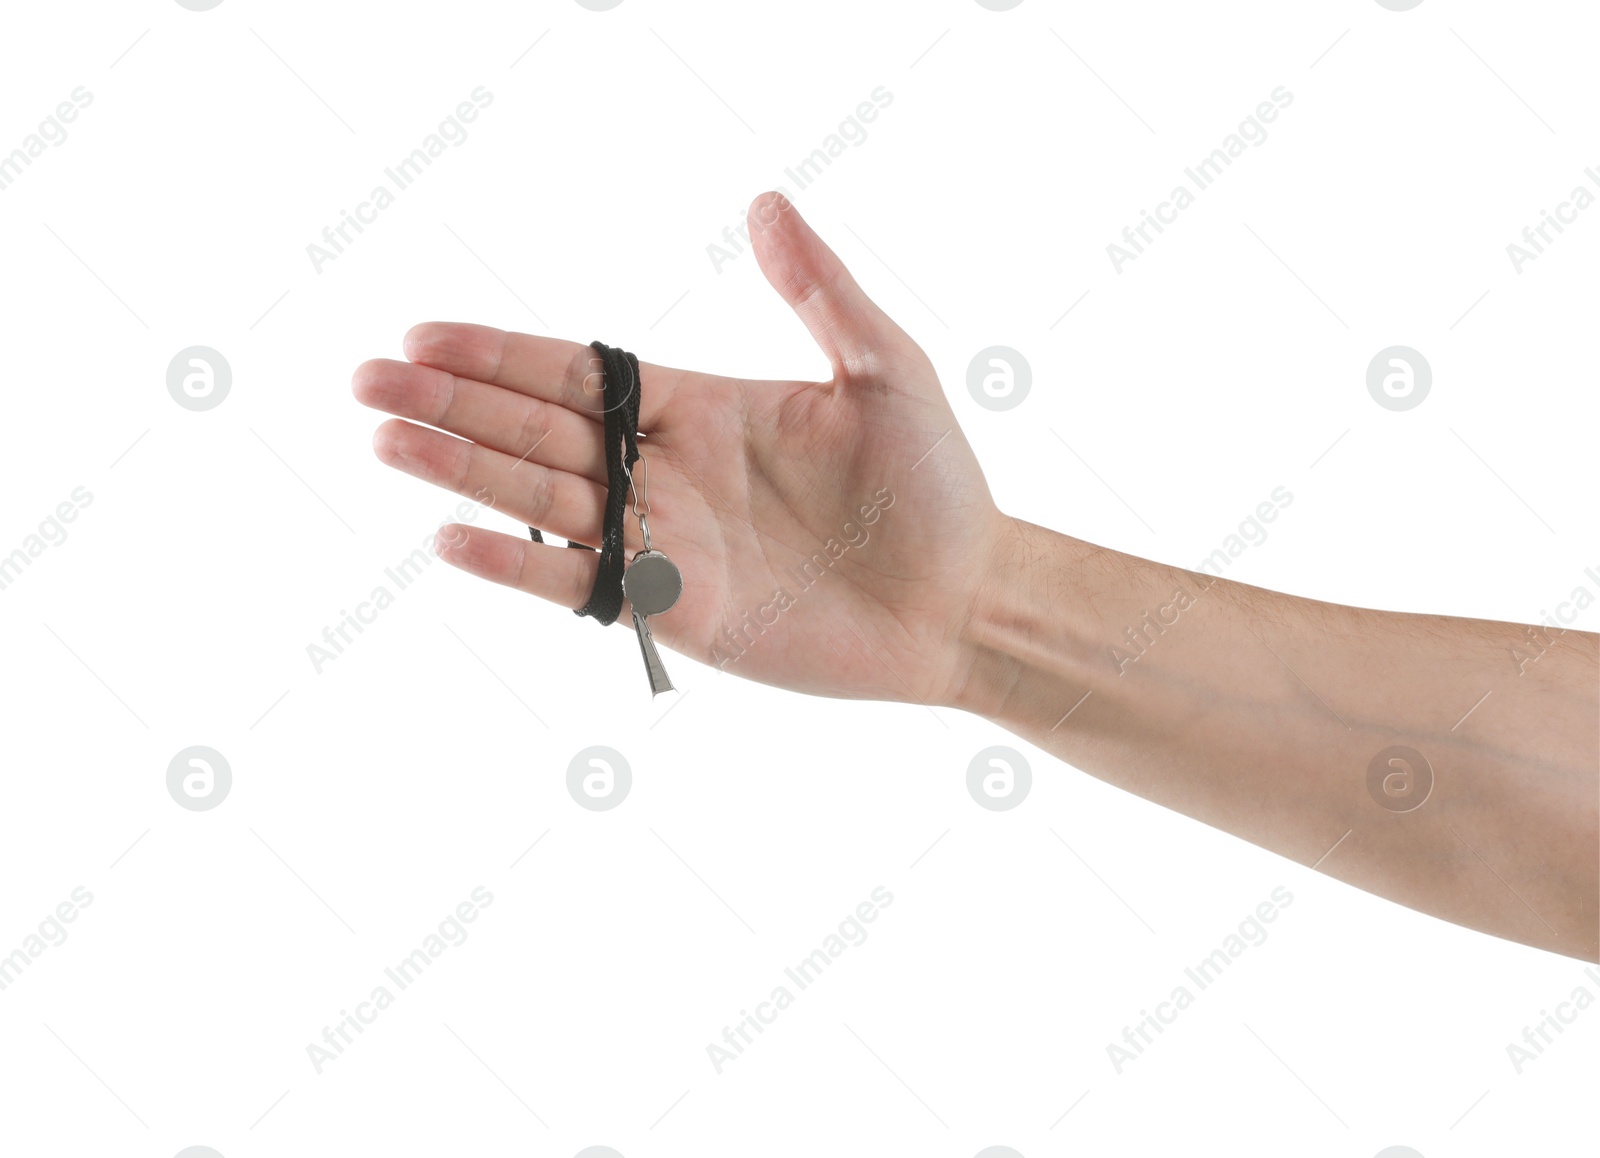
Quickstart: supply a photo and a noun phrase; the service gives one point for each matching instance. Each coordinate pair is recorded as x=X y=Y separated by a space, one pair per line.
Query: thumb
x=853 y=332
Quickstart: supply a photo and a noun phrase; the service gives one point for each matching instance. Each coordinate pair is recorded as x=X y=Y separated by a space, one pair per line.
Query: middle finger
x=537 y=496
x=525 y=428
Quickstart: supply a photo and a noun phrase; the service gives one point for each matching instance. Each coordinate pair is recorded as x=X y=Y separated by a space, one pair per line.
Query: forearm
x=1261 y=713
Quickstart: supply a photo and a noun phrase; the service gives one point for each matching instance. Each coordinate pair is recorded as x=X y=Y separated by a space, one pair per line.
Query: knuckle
x=444 y=395
x=540 y=496
x=533 y=428
x=524 y=554
x=463 y=460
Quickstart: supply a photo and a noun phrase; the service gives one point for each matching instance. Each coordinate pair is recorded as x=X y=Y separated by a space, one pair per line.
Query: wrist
x=1028 y=639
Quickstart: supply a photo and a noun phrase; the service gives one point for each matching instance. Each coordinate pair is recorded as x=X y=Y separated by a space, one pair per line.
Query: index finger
x=568 y=374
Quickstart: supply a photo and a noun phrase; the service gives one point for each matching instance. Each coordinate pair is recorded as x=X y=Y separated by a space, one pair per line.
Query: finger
x=552 y=500
x=853 y=332
x=553 y=573
x=525 y=428
x=564 y=373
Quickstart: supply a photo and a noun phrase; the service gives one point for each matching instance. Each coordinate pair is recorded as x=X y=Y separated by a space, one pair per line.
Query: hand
x=865 y=480
x=933 y=595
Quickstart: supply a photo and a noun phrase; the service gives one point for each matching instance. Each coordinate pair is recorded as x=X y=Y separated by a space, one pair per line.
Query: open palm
x=832 y=535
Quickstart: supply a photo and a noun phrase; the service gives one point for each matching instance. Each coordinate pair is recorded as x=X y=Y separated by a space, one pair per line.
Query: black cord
x=621 y=394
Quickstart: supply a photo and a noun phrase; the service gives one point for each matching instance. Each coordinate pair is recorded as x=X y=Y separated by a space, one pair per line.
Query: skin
x=1253 y=711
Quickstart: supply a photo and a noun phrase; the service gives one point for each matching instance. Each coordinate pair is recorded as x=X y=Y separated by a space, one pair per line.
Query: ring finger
x=556 y=500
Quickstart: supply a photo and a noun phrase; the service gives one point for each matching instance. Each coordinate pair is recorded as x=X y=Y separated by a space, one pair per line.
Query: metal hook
x=642 y=489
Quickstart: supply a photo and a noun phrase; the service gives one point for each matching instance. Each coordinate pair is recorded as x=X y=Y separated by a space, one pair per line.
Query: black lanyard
x=621 y=394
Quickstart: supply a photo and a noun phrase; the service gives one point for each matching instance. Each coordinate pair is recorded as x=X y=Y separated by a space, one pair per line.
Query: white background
x=370 y=799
